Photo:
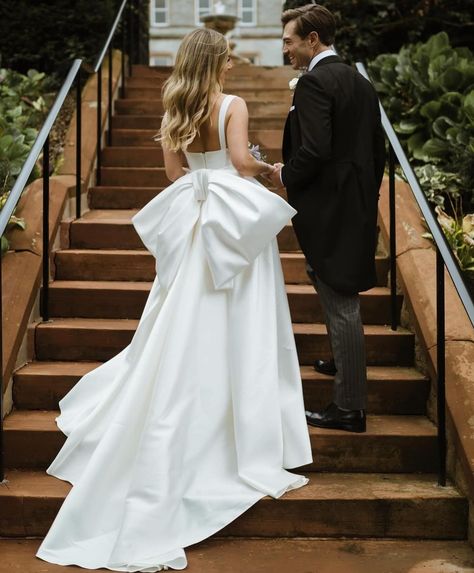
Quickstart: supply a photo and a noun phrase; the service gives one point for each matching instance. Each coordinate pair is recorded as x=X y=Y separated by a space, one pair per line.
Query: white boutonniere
x=292 y=83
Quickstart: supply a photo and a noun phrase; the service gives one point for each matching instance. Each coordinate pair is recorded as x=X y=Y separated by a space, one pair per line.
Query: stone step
x=101 y=339
x=391 y=390
x=392 y=444
x=154 y=122
x=116 y=197
x=134 y=176
x=349 y=555
x=234 y=85
x=238 y=74
x=331 y=505
x=139 y=265
x=112 y=229
x=152 y=156
x=120 y=299
x=268 y=139
x=264 y=107
x=133 y=156
x=248 y=93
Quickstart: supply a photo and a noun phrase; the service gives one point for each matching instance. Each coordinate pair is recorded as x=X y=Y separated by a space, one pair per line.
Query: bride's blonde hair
x=190 y=91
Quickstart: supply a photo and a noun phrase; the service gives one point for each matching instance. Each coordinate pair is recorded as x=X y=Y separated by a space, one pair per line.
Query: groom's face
x=299 y=50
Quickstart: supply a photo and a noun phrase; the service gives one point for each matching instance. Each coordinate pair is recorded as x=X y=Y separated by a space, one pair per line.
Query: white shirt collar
x=320 y=56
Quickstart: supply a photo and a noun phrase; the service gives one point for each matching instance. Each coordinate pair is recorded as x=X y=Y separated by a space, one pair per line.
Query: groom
x=334 y=154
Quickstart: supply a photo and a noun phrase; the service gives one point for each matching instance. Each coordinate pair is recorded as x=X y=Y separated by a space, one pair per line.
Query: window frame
x=252 y=10
x=197 y=11
x=165 y=11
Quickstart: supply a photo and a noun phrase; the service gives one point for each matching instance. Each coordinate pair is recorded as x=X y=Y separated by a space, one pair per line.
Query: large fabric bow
x=238 y=217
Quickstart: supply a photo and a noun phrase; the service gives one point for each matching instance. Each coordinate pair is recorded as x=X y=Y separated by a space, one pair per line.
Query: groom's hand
x=275 y=176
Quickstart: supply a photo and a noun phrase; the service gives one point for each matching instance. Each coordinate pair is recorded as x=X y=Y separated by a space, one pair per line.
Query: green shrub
x=427 y=90
x=24 y=104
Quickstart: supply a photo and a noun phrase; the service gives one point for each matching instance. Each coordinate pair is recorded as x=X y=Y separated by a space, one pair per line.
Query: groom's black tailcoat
x=334 y=155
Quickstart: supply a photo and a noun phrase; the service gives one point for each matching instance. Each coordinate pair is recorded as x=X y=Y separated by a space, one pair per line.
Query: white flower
x=292 y=83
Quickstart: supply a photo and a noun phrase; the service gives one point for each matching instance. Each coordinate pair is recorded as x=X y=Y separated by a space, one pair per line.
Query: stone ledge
x=416 y=273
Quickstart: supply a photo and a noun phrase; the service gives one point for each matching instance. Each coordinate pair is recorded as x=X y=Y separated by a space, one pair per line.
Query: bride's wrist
x=267 y=168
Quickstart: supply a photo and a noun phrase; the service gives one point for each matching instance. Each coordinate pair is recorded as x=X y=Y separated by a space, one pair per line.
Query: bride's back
x=208 y=137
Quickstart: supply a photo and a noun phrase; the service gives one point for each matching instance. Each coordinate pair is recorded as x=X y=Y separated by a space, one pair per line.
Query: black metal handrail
x=42 y=144
x=444 y=258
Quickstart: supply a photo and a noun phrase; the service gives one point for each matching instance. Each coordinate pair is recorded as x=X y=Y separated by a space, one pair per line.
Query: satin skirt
x=197 y=419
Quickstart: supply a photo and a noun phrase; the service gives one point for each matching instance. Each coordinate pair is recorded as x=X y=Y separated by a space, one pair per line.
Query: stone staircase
x=380 y=484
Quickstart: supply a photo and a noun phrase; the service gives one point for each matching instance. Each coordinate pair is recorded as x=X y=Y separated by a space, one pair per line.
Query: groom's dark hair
x=312 y=18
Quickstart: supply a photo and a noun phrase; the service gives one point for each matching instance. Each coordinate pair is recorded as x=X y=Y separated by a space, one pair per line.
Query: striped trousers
x=346 y=336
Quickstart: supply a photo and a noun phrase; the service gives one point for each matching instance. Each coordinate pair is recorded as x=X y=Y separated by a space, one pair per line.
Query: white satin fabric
x=202 y=414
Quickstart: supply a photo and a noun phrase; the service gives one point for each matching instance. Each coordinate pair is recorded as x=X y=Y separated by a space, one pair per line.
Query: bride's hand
x=267 y=174
x=275 y=176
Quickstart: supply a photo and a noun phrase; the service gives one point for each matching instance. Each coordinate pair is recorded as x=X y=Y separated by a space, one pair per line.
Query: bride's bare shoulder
x=237 y=104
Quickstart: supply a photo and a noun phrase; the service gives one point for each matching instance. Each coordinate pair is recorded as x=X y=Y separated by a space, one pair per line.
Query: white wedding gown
x=195 y=420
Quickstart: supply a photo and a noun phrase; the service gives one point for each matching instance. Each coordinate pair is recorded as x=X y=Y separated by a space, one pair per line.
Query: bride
x=201 y=415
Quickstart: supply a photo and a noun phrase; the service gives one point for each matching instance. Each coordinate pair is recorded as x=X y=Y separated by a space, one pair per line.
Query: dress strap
x=222 y=113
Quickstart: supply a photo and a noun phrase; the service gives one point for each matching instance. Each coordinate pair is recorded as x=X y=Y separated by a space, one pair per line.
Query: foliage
x=13 y=222
x=459 y=232
x=428 y=93
x=427 y=90
x=24 y=102
x=366 y=28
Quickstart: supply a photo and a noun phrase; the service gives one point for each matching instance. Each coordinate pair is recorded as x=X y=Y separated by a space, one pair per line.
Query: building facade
x=257 y=33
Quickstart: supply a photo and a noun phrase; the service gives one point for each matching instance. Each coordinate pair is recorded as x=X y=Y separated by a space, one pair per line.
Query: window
x=248 y=12
x=203 y=8
x=161 y=60
x=159 y=12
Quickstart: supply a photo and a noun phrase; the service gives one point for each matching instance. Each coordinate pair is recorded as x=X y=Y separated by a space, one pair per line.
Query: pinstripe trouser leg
x=344 y=324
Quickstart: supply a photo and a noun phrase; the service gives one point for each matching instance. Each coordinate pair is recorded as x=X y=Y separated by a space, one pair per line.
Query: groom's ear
x=313 y=38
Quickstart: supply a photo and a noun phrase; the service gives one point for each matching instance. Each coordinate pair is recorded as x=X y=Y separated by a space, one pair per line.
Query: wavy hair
x=189 y=93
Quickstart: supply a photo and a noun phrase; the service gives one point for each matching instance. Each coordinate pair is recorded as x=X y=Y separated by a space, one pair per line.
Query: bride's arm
x=174 y=167
x=237 y=141
x=173 y=164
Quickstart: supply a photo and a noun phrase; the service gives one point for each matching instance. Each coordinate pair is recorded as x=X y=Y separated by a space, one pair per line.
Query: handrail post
x=78 y=143
x=130 y=37
x=109 y=110
x=393 y=239
x=122 y=59
x=45 y=290
x=99 y=126
x=441 y=366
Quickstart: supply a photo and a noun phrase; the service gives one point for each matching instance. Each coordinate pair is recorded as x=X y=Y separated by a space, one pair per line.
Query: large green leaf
x=407 y=127
x=431 y=109
x=435 y=148
x=415 y=142
x=441 y=125
x=451 y=80
x=468 y=106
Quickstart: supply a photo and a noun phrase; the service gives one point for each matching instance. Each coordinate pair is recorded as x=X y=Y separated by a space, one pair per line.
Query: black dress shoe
x=335 y=418
x=326 y=367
